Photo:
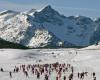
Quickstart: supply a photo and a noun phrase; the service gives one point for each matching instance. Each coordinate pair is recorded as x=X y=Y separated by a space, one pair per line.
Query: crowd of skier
x=61 y=71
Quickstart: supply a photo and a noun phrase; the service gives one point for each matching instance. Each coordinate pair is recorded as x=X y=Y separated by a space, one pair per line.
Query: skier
x=26 y=73
x=71 y=76
x=38 y=75
x=1 y=70
x=10 y=74
x=93 y=74
x=64 y=78
x=78 y=75
x=46 y=77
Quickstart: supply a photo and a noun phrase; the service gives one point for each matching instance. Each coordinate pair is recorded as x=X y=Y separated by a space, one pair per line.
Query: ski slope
x=82 y=59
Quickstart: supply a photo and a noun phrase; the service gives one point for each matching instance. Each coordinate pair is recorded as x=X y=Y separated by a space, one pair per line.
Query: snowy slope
x=84 y=60
x=40 y=28
x=92 y=47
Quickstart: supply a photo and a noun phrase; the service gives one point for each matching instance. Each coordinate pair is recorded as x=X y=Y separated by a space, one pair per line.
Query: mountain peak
x=49 y=9
x=47 y=14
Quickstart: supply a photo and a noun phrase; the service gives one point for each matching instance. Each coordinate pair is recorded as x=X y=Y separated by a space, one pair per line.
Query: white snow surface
x=84 y=60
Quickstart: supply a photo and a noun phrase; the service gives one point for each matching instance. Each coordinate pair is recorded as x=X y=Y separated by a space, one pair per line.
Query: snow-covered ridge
x=24 y=28
x=7 y=12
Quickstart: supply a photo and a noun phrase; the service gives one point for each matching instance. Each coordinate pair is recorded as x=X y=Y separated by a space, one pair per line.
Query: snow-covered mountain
x=40 y=28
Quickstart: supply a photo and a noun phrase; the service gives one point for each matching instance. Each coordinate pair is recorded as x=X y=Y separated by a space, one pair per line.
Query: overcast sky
x=89 y=8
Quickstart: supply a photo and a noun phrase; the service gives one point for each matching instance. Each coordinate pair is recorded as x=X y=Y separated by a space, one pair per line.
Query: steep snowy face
x=96 y=36
x=75 y=30
x=20 y=29
x=5 y=15
x=43 y=38
x=46 y=27
x=86 y=28
x=47 y=15
x=13 y=29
